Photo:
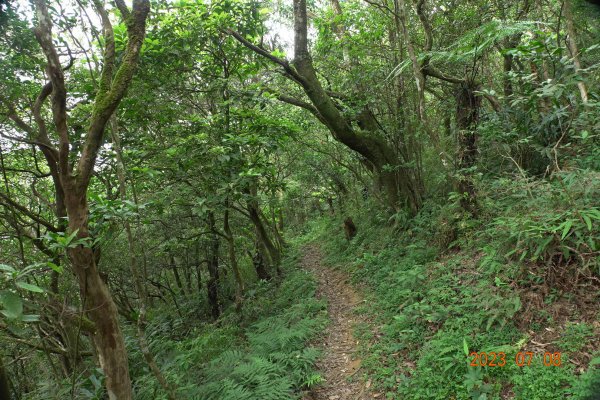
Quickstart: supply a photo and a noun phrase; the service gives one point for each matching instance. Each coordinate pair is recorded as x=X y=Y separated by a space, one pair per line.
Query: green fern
x=473 y=43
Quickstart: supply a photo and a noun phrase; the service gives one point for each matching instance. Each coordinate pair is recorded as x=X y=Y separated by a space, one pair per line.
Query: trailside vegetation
x=164 y=163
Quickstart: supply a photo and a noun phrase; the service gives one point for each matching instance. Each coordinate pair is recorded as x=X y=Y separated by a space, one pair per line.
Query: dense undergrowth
x=263 y=353
x=515 y=280
x=262 y=356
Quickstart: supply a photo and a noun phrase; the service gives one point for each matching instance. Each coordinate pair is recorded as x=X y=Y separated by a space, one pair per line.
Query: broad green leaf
x=13 y=305
x=30 y=287
x=584 y=134
x=30 y=318
x=7 y=268
x=57 y=268
x=70 y=238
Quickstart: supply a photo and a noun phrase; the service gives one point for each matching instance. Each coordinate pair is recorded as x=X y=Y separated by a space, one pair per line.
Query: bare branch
x=426 y=25
x=493 y=102
x=436 y=73
x=7 y=201
x=12 y=114
x=42 y=134
x=299 y=103
x=26 y=171
x=382 y=6
x=26 y=141
x=290 y=72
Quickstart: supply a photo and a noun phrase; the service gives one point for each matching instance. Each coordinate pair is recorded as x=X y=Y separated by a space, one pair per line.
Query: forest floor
x=338 y=365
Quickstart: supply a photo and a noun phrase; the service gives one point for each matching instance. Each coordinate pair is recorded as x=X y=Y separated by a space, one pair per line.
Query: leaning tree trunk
x=263 y=235
x=572 y=46
x=262 y=232
x=397 y=181
x=467 y=116
x=258 y=260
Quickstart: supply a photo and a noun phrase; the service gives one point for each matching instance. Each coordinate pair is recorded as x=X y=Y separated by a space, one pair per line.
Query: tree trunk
x=213 y=270
x=173 y=265
x=280 y=219
x=508 y=65
x=467 y=116
x=272 y=225
x=187 y=273
x=4 y=383
x=98 y=303
x=198 y=268
x=572 y=45
x=263 y=236
x=395 y=179
x=74 y=173
x=239 y=283
x=261 y=230
x=258 y=260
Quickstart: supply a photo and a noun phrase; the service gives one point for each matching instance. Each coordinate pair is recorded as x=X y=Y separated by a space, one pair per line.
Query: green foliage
x=539 y=382
x=576 y=336
x=472 y=44
x=16 y=293
x=433 y=307
x=263 y=356
x=207 y=132
x=588 y=385
x=559 y=224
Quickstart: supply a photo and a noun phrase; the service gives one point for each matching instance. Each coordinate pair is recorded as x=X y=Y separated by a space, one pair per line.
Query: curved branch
x=290 y=71
x=12 y=114
x=109 y=51
x=302 y=104
x=426 y=25
x=42 y=134
x=436 y=73
x=27 y=141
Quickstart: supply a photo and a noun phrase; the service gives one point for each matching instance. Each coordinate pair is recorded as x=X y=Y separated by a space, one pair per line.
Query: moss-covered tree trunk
x=98 y=304
x=396 y=181
x=239 y=282
x=74 y=172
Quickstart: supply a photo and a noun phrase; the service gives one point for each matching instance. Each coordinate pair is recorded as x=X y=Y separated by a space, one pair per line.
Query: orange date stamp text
x=521 y=359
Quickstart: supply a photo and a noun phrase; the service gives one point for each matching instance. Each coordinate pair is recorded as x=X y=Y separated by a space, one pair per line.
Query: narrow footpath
x=338 y=366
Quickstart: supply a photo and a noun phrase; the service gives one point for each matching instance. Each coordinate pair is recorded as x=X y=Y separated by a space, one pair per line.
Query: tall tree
x=360 y=133
x=72 y=172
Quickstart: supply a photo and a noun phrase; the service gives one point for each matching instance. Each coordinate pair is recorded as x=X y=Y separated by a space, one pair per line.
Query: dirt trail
x=338 y=364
